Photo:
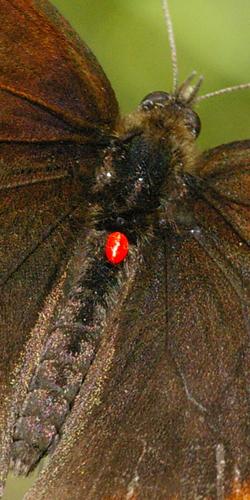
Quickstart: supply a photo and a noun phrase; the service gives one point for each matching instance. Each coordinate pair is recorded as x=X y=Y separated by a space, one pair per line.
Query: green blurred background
x=130 y=41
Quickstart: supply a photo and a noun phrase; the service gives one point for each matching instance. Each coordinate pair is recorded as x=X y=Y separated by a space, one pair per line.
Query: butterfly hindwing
x=209 y=304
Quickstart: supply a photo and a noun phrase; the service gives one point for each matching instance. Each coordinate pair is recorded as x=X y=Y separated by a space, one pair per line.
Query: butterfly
x=124 y=280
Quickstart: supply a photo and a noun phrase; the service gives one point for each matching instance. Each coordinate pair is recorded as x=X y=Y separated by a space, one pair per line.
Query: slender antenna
x=188 y=93
x=226 y=90
x=172 y=44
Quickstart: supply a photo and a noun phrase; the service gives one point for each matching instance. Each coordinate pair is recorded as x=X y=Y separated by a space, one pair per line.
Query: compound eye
x=193 y=122
x=155 y=99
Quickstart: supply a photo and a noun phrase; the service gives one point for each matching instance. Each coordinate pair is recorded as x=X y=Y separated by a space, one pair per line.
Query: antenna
x=226 y=90
x=172 y=44
x=186 y=92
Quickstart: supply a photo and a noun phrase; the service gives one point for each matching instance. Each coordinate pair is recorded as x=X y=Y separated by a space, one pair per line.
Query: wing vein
x=47 y=233
x=67 y=118
x=227 y=273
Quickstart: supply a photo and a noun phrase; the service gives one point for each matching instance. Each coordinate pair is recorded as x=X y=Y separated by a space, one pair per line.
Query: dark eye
x=155 y=99
x=192 y=121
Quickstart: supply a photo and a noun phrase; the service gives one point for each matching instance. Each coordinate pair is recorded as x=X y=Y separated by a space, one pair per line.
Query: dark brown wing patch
x=226 y=171
x=50 y=81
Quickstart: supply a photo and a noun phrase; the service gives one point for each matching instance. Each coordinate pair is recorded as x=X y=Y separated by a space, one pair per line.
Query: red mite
x=116 y=248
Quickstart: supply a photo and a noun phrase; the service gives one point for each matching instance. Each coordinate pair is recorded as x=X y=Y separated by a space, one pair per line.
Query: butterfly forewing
x=51 y=85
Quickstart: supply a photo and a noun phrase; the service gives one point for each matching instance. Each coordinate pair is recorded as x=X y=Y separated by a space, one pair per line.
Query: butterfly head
x=172 y=105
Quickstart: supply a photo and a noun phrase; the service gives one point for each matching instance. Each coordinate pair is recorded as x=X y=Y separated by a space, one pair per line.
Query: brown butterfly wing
x=113 y=443
x=218 y=253
x=164 y=412
x=208 y=293
x=226 y=170
x=49 y=81
x=52 y=87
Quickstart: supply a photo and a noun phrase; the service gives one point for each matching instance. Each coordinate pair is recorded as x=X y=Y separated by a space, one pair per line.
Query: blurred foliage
x=129 y=39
